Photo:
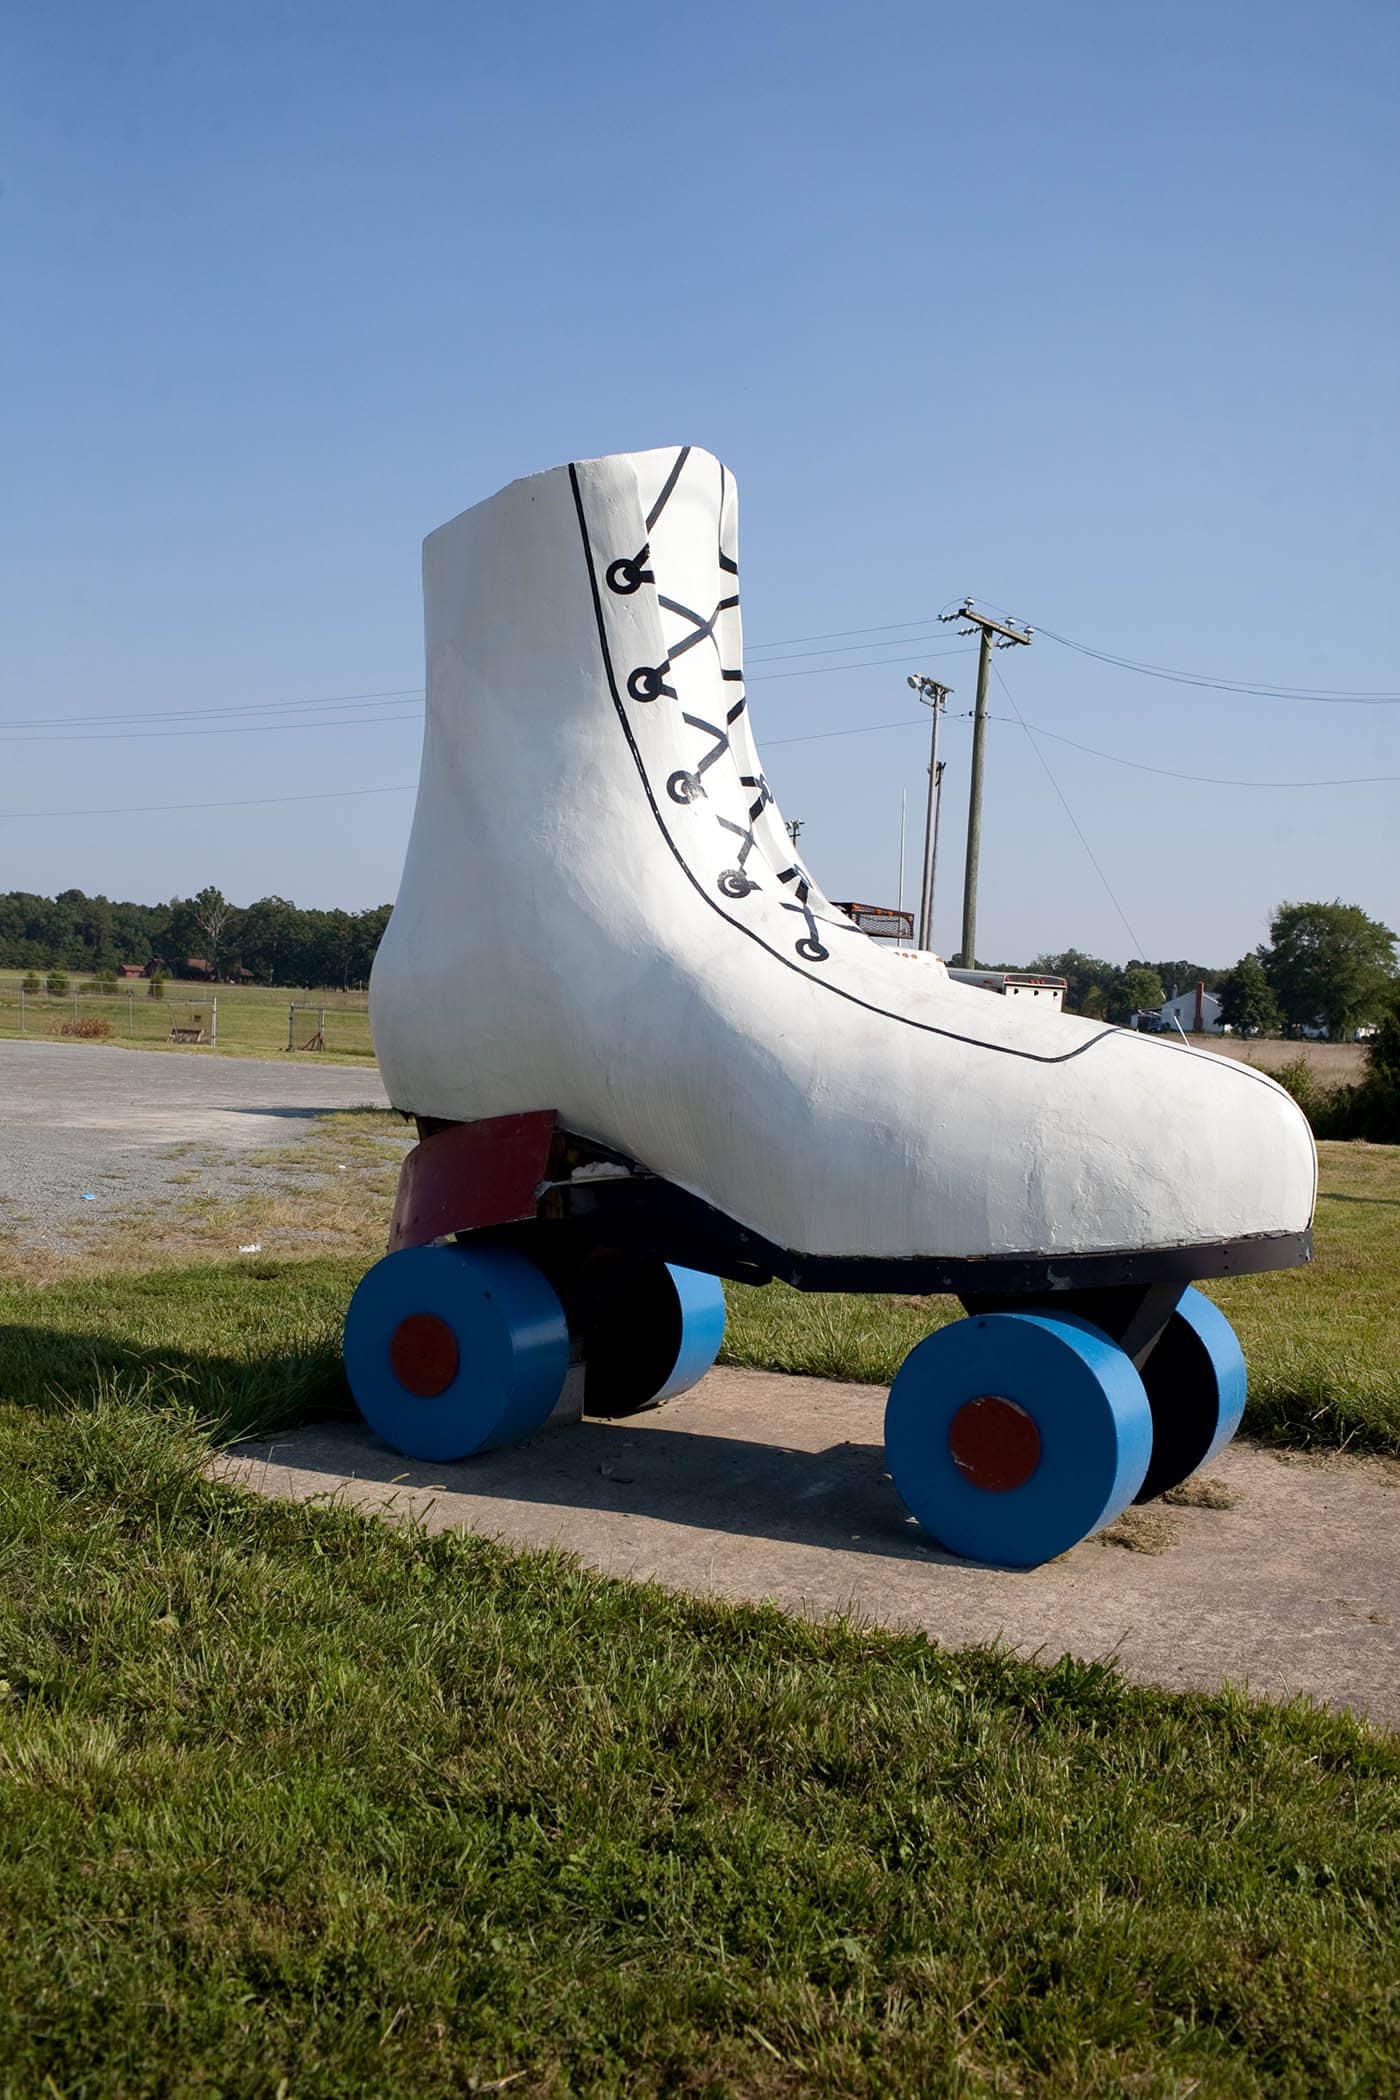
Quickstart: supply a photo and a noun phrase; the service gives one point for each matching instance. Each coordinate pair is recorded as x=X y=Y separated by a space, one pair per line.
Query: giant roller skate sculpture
x=645 y=1052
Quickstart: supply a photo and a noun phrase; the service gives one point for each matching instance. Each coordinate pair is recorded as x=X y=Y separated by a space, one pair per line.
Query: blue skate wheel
x=1011 y=1436
x=451 y=1350
x=650 y=1330
x=1196 y=1384
x=700 y=1302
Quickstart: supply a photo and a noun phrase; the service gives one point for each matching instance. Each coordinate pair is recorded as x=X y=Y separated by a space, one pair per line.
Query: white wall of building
x=1183 y=1009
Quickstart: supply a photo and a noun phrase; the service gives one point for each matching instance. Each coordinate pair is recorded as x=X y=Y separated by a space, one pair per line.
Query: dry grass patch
x=1141 y=1531
x=1201 y=1493
x=1331 y=1064
x=331 y=1194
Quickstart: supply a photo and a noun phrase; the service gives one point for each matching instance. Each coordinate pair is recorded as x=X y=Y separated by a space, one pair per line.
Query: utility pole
x=794 y=829
x=903 y=825
x=933 y=857
x=933 y=696
x=995 y=634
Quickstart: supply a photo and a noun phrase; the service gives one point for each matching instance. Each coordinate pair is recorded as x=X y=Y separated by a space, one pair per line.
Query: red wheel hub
x=424 y=1355
x=994 y=1444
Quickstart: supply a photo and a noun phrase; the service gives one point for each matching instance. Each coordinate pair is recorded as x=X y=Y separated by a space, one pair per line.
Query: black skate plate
x=644 y=1213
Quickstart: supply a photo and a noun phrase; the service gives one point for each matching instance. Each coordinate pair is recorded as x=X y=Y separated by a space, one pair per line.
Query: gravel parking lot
x=85 y=1129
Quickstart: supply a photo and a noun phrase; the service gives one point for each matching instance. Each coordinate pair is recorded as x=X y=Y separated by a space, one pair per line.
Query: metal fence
x=226 y=1019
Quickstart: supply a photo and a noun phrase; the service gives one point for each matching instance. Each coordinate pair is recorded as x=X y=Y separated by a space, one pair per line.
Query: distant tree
x=1372 y=1109
x=1178 y=975
x=212 y=912
x=56 y=984
x=367 y=933
x=1092 y=986
x=1141 y=991
x=1383 y=1050
x=276 y=939
x=31 y=982
x=155 y=989
x=1329 y=965
x=264 y=938
x=1247 y=1002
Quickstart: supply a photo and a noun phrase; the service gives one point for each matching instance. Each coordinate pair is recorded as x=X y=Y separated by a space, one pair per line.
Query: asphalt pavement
x=89 y=1128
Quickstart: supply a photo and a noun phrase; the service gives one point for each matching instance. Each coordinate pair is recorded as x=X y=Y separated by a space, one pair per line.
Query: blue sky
x=1090 y=311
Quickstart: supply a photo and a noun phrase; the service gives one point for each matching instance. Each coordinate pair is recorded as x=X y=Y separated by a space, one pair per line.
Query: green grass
x=1322 y=1344
x=238 y=1346
x=252 y=1019
x=259 y=1339
x=295 y=1803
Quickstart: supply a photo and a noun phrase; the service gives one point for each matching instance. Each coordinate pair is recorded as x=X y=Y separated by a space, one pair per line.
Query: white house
x=1197 y=1012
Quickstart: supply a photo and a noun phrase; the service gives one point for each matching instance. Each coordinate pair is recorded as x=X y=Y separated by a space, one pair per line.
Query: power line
x=847 y=648
x=872 y=663
x=132 y=736
x=1093 y=857
x=397 y=693
x=836 y=634
x=179 y=714
x=71 y=733
x=150 y=809
x=815 y=736
x=759 y=653
x=819 y=736
x=1321 y=695
x=1198 y=779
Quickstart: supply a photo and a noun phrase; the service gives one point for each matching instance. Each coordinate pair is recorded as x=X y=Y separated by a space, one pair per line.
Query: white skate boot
x=645 y=1051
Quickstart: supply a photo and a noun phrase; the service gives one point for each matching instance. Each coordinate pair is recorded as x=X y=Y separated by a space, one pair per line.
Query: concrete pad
x=760 y=1487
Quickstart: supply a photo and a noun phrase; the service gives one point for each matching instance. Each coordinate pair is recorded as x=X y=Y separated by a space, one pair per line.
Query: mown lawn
x=294 y=1803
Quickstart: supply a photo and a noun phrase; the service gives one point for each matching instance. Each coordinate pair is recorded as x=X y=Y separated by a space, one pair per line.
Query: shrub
x=1370 y=1110
x=1298 y=1078
x=91 y=1028
x=156 y=988
x=56 y=984
x=32 y=983
x=1329 y=1109
x=1375 y=1106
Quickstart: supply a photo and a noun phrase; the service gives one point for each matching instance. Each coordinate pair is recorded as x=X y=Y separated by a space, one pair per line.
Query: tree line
x=273 y=940
x=1326 y=967
x=1112 y=992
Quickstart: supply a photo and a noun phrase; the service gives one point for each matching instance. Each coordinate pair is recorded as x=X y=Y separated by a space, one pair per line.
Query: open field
x=1332 y=1064
x=253 y=1020
x=189 y=988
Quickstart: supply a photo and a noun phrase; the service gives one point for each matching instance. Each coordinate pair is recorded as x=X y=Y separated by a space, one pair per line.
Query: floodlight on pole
x=934 y=696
